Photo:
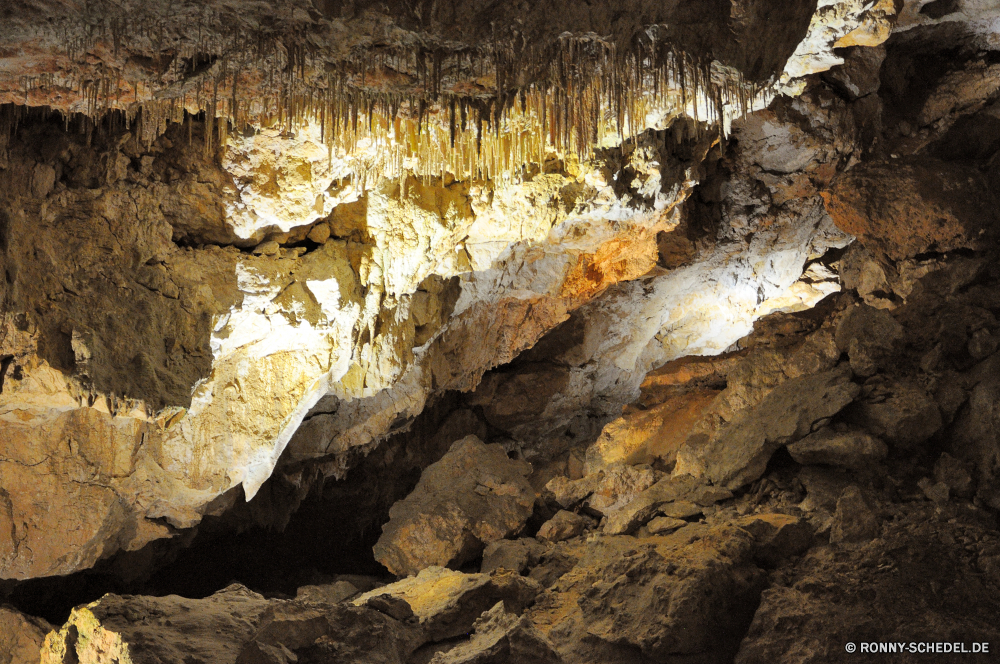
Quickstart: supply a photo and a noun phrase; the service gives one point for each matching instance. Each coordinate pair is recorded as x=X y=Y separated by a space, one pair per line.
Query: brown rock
x=955 y=475
x=619 y=485
x=21 y=637
x=563 y=526
x=911 y=582
x=777 y=537
x=320 y=233
x=642 y=436
x=706 y=495
x=681 y=509
x=664 y=525
x=268 y=248
x=860 y=272
x=859 y=75
x=473 y=495
x=869 y=336
x=390 y=605
x=501 y=637
x=907 y=207
x=848 y=449
x=516 y=555
x=232 y=626
x=854 y=521
x=976 y=433
x=938 y=493
x=569 y=492
x=739 y=453
x=327 y=594
x=982 y=344
x=645 y=505
x=446 y=602
x=685 y=595
x=898 y=411
x=824 y=487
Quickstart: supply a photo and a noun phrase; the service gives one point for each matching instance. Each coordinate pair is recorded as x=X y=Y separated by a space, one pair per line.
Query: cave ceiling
x=247 y=235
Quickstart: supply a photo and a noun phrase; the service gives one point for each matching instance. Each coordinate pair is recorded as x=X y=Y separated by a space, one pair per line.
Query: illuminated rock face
x=182 y=295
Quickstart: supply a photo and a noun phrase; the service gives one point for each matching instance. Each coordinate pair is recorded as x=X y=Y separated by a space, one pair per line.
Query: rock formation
x=458 y=332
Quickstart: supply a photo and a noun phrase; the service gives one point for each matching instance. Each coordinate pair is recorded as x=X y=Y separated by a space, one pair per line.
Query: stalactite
x=590 y=90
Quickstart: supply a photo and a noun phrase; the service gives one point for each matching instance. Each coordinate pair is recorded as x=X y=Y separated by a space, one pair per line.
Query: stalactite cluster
x=474 y=112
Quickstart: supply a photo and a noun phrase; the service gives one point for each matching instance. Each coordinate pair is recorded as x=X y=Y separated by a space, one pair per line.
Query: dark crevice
x=5 y=362
x=940 y=8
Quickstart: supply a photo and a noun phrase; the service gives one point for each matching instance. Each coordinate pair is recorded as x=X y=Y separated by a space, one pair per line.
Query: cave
x=543 y=332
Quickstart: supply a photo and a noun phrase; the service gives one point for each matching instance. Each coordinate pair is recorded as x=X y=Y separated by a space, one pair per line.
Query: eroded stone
x=473 y=495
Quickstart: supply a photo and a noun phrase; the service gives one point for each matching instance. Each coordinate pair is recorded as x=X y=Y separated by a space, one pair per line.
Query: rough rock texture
x=515 y=555
x=502 y=637
x=910 y=585
x=233 y=625
x=446 y=602
x=739 y=454
x=807 y=453
x=21 y=637
x=473 y=495
x=564 y=525
x=946 y=207
x=661 y=597
x=850 y=449
x=211 y=284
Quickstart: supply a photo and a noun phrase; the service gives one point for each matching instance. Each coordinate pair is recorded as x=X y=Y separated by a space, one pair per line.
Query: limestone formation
x=740 y=452
x=837 y=596
x=446 y=603
x=564 y=525
x=661 y=597
x=516 y=555
x=501 y=637
x=472 y=496
x=850 y=449
x=900 y=412
x=430 y=331
x=21 y=637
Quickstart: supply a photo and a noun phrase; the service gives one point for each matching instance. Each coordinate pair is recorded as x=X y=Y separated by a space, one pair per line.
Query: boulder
x=663 y=525
x=824 y=486
x=739 y=453
x=501 y=637
x=905 y=207
x=618 y=485
x=681 y=597
x=390 y=605
x=982 y=344
x=21 y=637
x=869 y=336
x=563 y=526
x=515 y=555
x=327 y=594
x=233 y=626
x=567 y=492
x=473 y=495
x=643 y=435
x=976 y=436
x=681 y=509
x=955 y=475
x=777 y=537
x=446 y=603
x=290 y=632
x=854 y=521
x=911 y=584
x=937 y=492
x=850 y=448
x=645 y=505
x=897 y=410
